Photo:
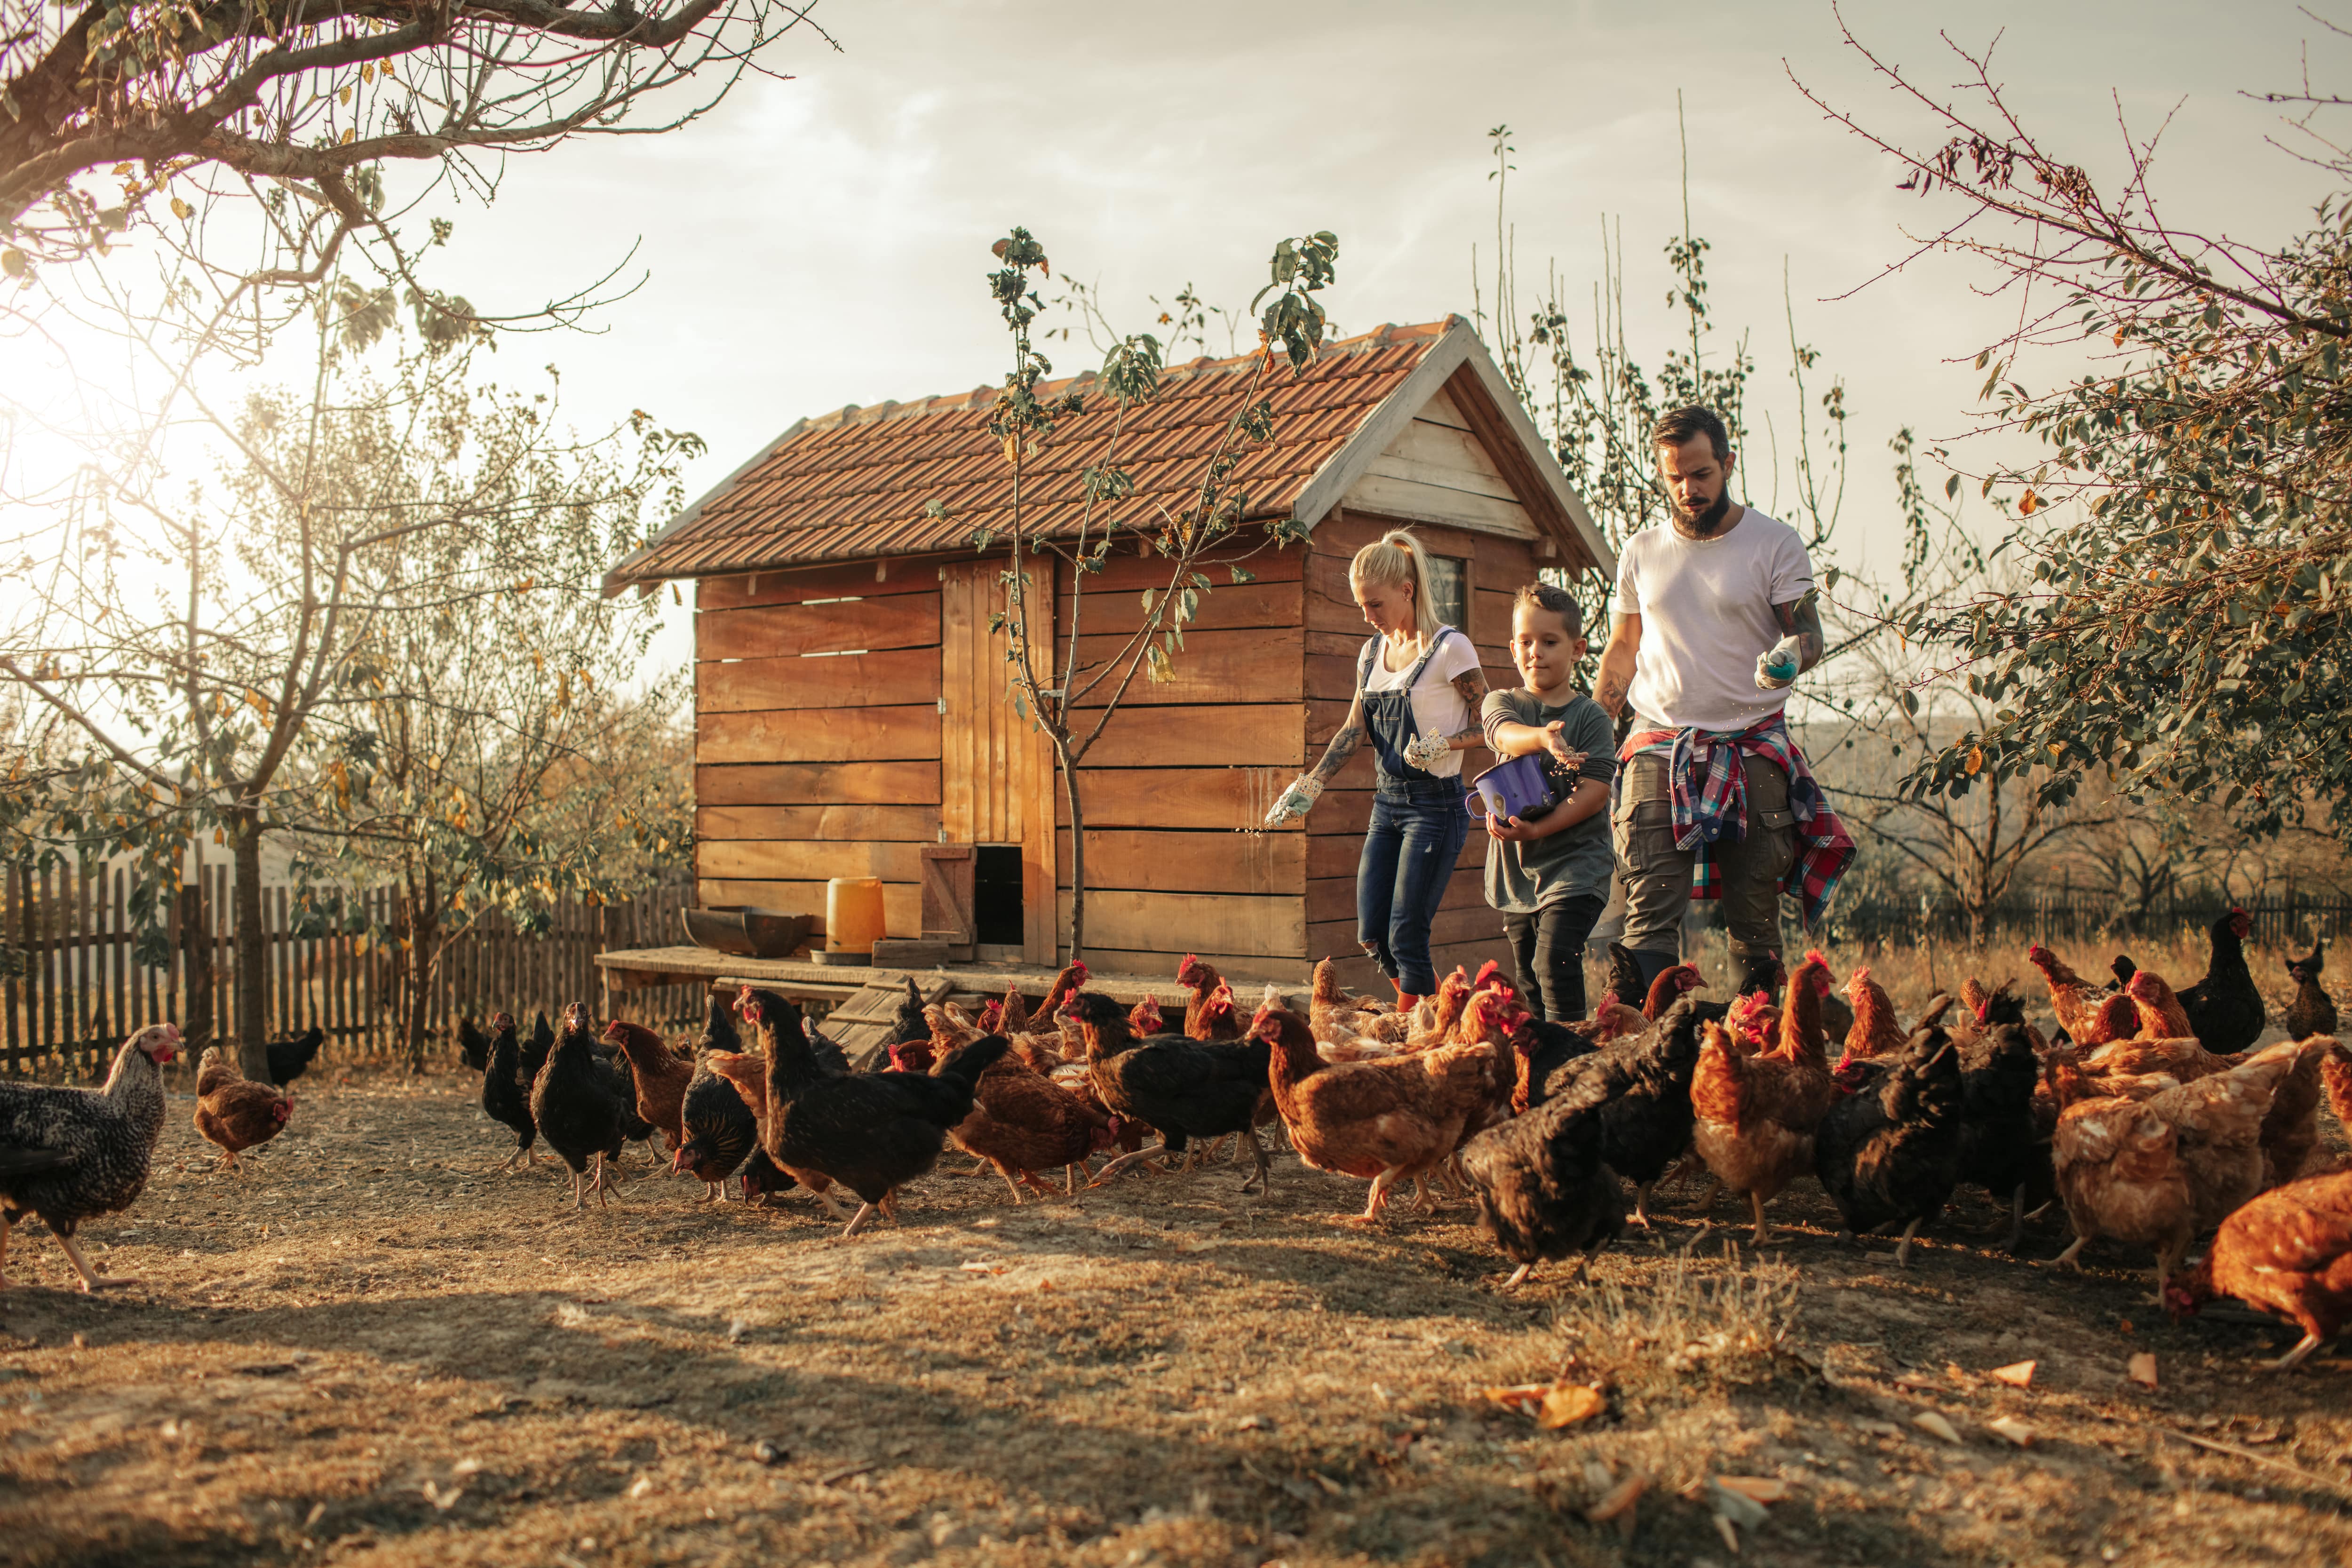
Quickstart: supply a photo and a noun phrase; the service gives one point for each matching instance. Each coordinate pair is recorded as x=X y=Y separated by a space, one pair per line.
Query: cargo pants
x=1658 y=876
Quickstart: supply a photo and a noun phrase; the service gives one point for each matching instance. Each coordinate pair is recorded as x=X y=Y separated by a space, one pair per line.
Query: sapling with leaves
x=1049 y=679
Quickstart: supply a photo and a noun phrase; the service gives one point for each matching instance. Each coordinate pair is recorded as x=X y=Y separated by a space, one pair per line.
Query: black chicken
x=2002 y=1148
x=908 y=1023
x=1891 y=1152
x=2224 y=1008
x=1646 y=1125
x=2313 y=1011
x=872 y=1133
x=2122 y=969
x=1542 y=1189
x=473 y=1046
x=761 y=1178
x=506 y=1091
x=289 y=1060
x=1187 y=1089
x=577 y=1102
x=66 y=1154
x=1540 y=1049
x=535 y=1049
x=719 y=1130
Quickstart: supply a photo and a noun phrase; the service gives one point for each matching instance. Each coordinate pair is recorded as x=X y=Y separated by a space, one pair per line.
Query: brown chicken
x=2335 y=1073
x=2161 y=1015
x=2183 y=1059
x=2116 y=1019
x=1616 y=1021
x=661 y=1077
x=2313 y=1011
x=2074 y=999
x=1145 y=1017
x=1671 y=984
x=233 y=1114
x=2219 y=1120
x=1218 y=1018
x=2288 y=1252
x=1334 y=1014
x=2291 y=1126
x=1384 y=1120
x=1202 y=979
x=1022 y=1123
x=2119 y=1174
x=1877 y=1032
x=1755 y=1116
x=1752 y=1022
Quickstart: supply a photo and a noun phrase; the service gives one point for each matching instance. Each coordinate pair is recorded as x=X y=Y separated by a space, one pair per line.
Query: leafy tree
x=1046 y=686
x=199 y=645
x=489 y=754
x=2175 y=600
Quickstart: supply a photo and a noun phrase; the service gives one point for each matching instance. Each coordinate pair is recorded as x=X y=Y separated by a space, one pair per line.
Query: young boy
x=1550 y=875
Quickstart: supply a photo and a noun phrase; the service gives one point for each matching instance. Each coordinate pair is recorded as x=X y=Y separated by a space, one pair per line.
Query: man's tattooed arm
x=1802 y=620
x=1343 y=744
x=1616 y=675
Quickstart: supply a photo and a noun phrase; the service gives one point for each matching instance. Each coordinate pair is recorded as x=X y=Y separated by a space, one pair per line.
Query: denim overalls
x=1419 y=823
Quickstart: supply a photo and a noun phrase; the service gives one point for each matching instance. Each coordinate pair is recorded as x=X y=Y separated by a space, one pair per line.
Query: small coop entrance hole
x=996 y=897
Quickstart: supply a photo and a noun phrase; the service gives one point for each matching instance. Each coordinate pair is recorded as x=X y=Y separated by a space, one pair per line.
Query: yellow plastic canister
x=852 y=914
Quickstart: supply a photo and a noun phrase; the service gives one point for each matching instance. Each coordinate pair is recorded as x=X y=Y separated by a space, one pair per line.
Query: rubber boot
x=1652 y=966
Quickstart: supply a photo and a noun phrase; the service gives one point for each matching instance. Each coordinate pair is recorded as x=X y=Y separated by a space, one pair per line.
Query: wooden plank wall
x=996 y=767
x=1467 y=932
x=817 y=735
x=1186 y=770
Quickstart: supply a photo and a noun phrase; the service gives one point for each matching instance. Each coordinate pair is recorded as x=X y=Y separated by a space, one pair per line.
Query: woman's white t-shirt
x=1437 y=708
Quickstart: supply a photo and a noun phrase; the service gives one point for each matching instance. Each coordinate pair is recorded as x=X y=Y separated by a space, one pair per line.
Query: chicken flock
x=2149 y=1117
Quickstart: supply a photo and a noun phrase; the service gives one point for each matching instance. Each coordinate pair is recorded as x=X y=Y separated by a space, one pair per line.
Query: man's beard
x=1707 y=522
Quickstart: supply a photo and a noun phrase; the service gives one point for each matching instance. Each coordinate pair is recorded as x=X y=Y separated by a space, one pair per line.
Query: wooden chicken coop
x=850 y=707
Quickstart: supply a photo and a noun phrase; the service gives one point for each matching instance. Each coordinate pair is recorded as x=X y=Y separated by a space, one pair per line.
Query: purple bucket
x=1514 y=787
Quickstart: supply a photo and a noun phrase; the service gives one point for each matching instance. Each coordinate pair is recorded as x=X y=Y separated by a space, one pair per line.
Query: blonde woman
x=1418 y=691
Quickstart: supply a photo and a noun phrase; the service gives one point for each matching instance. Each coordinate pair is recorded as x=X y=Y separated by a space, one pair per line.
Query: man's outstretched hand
x=1778 y=666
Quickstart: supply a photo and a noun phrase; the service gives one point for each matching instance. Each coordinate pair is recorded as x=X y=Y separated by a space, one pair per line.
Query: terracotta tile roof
x=855 y=484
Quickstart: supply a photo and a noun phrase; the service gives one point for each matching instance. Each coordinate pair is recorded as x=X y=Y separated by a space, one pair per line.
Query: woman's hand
x=1425 y=751
x=1296 y=801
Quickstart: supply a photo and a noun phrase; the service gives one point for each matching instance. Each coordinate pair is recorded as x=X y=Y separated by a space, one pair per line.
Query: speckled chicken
x=70 y=1154
x=232 y=1113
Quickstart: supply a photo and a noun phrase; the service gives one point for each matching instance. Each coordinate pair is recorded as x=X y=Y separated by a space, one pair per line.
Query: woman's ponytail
x=1396 y=559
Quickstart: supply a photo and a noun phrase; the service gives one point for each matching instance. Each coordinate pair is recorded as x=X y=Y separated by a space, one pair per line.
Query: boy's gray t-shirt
x=1523 y=877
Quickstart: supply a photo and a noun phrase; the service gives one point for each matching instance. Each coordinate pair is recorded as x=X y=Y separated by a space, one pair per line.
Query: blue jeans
x=1409 y=854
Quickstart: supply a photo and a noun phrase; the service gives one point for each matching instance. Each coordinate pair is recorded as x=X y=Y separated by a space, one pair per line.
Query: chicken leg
x=1123 y=1162
x=1903 y=1248
x=2311 y=1341
x=1380 y=1196
x=1641 y=1206
x=91 y=1280
x=865 y=1212
x=1763 y=1231
x=1517 y=1275
x=1257 y=1156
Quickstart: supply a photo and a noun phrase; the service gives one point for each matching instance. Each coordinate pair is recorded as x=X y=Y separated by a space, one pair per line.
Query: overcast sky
x=823 y=240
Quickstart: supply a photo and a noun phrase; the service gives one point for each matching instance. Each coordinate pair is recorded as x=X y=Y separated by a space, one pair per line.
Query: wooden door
x=996 y=767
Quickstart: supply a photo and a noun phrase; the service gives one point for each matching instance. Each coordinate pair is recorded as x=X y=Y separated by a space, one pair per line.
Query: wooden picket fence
x=71 y=986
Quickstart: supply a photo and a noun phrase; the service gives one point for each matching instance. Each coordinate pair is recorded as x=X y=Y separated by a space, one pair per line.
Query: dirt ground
x=370 y=1349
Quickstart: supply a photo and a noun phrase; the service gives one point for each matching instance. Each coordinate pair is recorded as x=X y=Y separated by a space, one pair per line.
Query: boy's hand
x=1509 y=829
x=1555 y=742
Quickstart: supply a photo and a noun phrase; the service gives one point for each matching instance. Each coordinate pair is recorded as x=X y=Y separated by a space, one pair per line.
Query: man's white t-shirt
x=1707 y=612
x=1437 y=706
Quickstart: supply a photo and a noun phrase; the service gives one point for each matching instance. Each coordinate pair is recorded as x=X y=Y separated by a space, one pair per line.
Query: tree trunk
x=1077 y=852
x=252 y=946
x=422 y=962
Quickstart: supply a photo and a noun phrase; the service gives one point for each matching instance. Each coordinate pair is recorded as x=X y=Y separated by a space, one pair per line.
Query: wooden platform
x=802 y=981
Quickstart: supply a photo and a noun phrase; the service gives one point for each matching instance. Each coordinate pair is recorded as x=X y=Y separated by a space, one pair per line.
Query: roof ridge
x=1388 y=334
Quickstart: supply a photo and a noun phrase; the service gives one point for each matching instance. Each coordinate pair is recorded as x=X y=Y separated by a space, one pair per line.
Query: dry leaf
x=1568 y=1403
x=1929 y=1422
x=2010 y=1428
x=1621 y=1499
x=2143 y=1369
x=1551 y=1404
x=1754 y=1488
x=2017 y=1374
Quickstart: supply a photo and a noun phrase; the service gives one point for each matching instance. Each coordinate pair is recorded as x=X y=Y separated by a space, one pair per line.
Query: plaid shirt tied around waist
x=1710 y=797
